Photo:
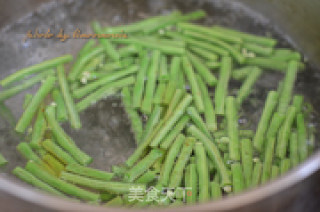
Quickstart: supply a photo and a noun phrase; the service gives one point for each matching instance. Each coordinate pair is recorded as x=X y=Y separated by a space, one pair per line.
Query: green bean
x=87 y=46
x=285 y=54
x=106 y=44
x=209 y=113
x=62 y=114
x=82 y=61
x=104 y=91
x=27 y=100
x=297 y=101
x=32 y=108
x=110 y=78
x=170 y=159
x=181 y=124
x=274 y=171
x=174 y=101
x=243 y=72
x=134 y=117
x=247 y=160
x=143 y=165
x=91 y=66
x=176 y=115
x=213 y=64
x=177 y=171
x=258 y=49
x=204 y=54
x=284 y=165
x=197 y=120
x=267 y=63
x=7 y=115
x=226 y=159
x=288 y=84
x=219 y=43
x=237 y=178
x=294 y=149
x=12 y=91
x=246 y=37
x=213 y=154
x=170 y=92
x=206 y=46
x=48 y=64
x=302 y=137
x=215 y=190
x=247 y=85
x=153 y=119
x=106 y=196
x=175 y=68
x=31 y=179
x=160 y=92
x=210 y=32
x=119 y=171
x=275 y=124
x=39 y=129
x=203 y=172
x=270 y=104
x=284 y=133
x=147 y=177
x=256 y=174
x=268 y=158
x=55 y=150
x=222 y=85
x=146 y=105
x=191 y=181
x=53 y=163
x=60 y=185
x=168 y=42
x=89 y=172
x=163 y=48
x=3 y=160
x=203 y=71
x=115 y=65
x=195 y=90
x=70 y=106
x=232 y=128
x=64 y=140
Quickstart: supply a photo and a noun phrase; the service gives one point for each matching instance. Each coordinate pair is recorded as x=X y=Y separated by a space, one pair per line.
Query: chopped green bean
x=3 y=160
x=64 y=140
x=170 y=159
x=222 y=85
x=146 y=105
x=48 y=64
x=204 y=54
x=31 y=179
x=62 y=114
x=89 y=172
x=12 y=91
x=270 y=104
x=215 y=190
x=143 y=165
x=294 y=149
x=256 y=174
x=177 y=171
x=247 y=160
x=60 y=185
x=104 y=91
x=202 y=168
x=32 y=108
x=258 y=49
x=53 y=163
x=287 y=88
x=284 y=166
x=268 y=159
x=284 y=133
x=196 y=93
x=39 y=129
x=247 y=85
x=209 y=113
x=232 y=128
x=237 y=178
x=197 y=120
x=302 y=137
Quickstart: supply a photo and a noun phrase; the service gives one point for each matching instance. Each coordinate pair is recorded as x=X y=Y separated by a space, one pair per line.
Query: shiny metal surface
x=299 y=190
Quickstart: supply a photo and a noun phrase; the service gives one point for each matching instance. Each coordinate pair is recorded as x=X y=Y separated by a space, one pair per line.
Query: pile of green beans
x=191 y=146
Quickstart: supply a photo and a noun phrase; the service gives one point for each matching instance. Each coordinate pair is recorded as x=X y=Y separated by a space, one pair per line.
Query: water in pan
x=105 y=134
